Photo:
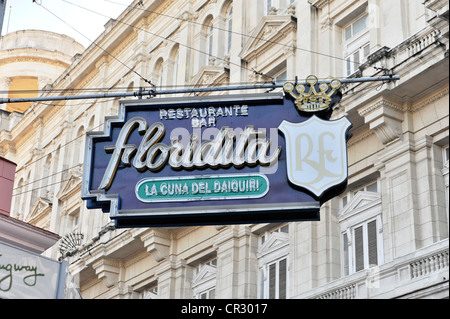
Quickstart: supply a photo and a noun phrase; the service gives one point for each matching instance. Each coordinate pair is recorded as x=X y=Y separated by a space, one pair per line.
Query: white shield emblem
x=316 y=153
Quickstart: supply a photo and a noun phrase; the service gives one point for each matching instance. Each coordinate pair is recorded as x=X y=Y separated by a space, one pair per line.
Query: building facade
x=386 y=236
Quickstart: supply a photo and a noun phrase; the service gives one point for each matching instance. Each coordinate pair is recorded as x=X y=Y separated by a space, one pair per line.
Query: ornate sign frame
x=213 y=160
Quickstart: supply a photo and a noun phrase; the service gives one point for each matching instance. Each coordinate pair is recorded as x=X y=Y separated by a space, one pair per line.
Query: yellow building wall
x=22 y=87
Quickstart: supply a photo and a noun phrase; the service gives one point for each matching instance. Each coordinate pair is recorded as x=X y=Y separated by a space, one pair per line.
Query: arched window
x=78 y=150
x=30 y=188
x=210 y=41
x=158 y=73
x=173 y=66
x=91 y=123
x=46 y=178
x=130 y=87
x=228 y=29
x=18 y=199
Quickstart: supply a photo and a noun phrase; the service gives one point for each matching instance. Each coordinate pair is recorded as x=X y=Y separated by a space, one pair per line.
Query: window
x=356 y=27
x=354 y=60
x=75 y=219
x=268 y=6
x=210 y=41
x=445 y=155
x=273 y=263
x=365 y=247
x=361 y=229
x=204 y=282
x=279 y=6
x=275 y=276
x=173 y=66
x=278 y=73
x=371 y=187
x=158 y=73
x=229 y=28
x=356 y=43
x=282 y=229
x=150 y=293
x=78 y=156
x=208 y=294
x=46 y=178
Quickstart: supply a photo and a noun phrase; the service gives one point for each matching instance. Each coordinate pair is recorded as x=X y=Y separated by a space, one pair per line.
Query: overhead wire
x=168 y=39
x=45 y=156
x=164 y=15
x=233 y=32
x=40 y=179
x=145 y=80
x=44 y=186
x=39 y=3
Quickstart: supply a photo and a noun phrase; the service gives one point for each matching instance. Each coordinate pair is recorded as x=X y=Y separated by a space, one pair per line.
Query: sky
x=80 y=24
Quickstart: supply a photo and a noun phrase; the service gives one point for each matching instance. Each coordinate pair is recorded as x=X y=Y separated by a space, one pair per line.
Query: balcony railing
x=422 y=273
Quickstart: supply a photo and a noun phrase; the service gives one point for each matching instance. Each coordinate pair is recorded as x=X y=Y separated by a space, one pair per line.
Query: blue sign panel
x=213 y=160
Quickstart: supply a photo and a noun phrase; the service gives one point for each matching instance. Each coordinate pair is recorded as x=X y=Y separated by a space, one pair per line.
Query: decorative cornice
x=429 y=100
x=359 y=138
x=25 y=59
x=157 y=243
x=385 y=118
x=383 y=102
x=108 y=271
x=319 y=4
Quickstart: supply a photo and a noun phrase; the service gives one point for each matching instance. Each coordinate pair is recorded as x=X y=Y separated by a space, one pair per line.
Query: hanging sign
x=218 y=159
x=26 y=275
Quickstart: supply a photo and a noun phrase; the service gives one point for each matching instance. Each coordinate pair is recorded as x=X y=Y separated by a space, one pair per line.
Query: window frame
x=352 y=215
x=273 y=249
x=228 y=29
x=205 y=286
x=350 y=265
x=445 y=175
x=358 y=43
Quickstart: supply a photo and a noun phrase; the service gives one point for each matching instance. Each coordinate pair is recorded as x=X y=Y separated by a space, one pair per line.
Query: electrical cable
x=40 y=179
x=61 y=146
x=30 y=190
x=142 y=78
x=44 y=156
x=234 y=32
x=173 y=41
x=40 y=3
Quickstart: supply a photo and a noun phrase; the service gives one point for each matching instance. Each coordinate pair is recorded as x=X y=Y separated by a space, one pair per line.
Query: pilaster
x=172 y=278
x=412 y=214
x=236 y=270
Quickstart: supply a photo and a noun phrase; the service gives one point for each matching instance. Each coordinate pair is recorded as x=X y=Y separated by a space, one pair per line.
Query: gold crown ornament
x=313 y=100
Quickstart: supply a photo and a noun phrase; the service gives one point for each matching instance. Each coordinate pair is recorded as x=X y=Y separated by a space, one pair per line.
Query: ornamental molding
x=383 y=102
x=210 y=75
x=72 y=186
x=275 y=242
x=362 y=201
x=108 y=271
x=271 y=30
x=28 y=59
x=320 y=4
x=40 y=213
x=385 y=118
x=204 y=279
x=359 y=138
x=157 y=243
x=429 y=100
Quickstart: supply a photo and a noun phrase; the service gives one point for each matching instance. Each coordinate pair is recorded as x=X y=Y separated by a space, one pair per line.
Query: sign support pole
x=153 y=92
